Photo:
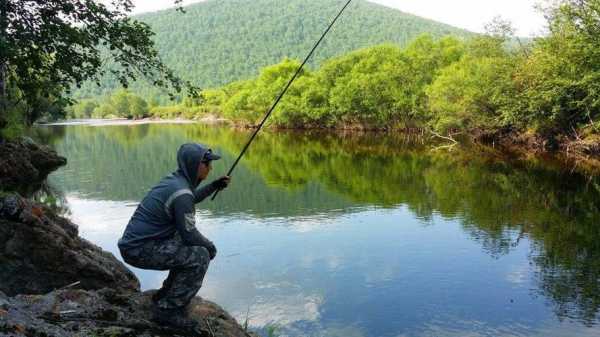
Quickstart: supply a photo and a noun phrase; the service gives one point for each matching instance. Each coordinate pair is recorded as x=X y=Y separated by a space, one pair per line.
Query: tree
x=584 y=15
x=559 y=82
x=372 y=91
x=120 y=102
x=218 y=42
x=83 y=109
x=476 y=90
x=138 y=108
x=251 y=99
x=62 y=42
x=471 y=93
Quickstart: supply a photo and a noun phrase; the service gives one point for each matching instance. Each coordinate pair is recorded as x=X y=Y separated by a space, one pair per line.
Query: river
x=360 y=235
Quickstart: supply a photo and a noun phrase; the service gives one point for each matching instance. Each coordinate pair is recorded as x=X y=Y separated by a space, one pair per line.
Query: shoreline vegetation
x=540 y=96
x=543 y=96
x=576 y=154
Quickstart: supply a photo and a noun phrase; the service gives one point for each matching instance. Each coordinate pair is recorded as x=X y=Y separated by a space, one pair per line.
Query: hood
x=189 y=157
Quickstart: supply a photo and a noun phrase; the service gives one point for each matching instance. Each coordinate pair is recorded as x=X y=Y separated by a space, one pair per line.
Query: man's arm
x=185 y=222
x=203 y=192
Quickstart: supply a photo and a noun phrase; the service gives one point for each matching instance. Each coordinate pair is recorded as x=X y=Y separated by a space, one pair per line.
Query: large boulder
x=24 y=165
x=71 y=313
x=41 y=251
x=54 y=283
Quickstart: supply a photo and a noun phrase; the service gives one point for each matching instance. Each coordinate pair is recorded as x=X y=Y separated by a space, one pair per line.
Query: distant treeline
x=550 y=87
x=121 y=104
x=219 y=41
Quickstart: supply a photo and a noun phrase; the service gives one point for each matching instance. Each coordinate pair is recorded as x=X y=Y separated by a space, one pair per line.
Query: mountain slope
x=220 y=41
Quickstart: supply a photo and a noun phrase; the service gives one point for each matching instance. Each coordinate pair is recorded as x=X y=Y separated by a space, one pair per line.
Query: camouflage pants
x=187 y=266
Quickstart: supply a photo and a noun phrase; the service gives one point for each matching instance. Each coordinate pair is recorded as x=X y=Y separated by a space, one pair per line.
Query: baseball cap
x=209 y=155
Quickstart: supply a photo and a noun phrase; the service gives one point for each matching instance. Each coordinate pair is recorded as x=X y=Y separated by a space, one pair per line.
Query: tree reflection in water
x=498 y=201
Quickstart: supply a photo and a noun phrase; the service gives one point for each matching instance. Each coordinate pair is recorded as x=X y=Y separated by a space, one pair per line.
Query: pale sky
x=468 y=14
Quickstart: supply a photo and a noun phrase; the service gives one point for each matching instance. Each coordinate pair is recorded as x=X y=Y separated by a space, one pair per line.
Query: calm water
x=361 y=236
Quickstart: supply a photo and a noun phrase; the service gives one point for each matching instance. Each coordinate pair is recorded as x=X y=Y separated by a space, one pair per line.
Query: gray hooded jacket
x=169 y=206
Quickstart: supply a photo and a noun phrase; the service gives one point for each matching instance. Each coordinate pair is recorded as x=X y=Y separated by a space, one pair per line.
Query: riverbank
x=118 y=121
x=103 y=313
x=582 y=153
x=208 y=119
x=55 y=283
x=578 y=151
x=331 y=193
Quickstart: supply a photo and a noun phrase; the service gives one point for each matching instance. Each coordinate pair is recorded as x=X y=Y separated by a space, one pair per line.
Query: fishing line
x=281 y=95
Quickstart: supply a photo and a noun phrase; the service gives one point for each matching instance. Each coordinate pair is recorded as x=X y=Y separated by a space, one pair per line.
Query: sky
x=468 y=14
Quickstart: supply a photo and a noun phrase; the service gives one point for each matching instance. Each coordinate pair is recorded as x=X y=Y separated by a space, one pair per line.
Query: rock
x=24 y=165
x=67 y=313
x=3 y=301
x=41 y=252
x=10 y=206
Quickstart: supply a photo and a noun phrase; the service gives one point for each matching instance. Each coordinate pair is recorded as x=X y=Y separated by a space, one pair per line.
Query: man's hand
x=222 y=182
x=212 y=250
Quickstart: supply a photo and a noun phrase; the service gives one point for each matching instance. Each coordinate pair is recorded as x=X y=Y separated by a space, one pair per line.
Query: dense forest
x=446 y=80
x=216 y=42
x=547 y=88
x=47 y=48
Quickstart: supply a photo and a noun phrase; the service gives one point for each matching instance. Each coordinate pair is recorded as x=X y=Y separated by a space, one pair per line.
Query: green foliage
x=45 y=102
x=558 y=83
x=82 y=109
x=385 y=85
x=373 y=90
x=239 y=106
x=15 y=126
x=472 y=93
x=258 y=95
x=552 y=86
x=376 y=86
x=477 y=90
x=217 y=42
x=448 y=83
x=47 y=47
x=180 y=111
x=121 y=104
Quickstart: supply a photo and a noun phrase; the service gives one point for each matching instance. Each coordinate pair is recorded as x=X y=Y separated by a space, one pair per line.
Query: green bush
x=15 y=124
x=472 y=93
x=551 y=86
x=121 y=104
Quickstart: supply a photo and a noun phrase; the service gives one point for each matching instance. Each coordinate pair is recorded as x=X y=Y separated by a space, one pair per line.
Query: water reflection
x=367 y=235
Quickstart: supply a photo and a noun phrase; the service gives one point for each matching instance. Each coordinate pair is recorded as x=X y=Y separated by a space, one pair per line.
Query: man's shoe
x=160 y=293
x=176 y=319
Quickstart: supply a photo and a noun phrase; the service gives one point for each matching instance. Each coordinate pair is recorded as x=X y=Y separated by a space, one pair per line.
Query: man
x=162 y=235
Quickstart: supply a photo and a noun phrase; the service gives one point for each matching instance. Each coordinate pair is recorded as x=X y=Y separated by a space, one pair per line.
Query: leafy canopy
x=61 y=43
x=217 y=42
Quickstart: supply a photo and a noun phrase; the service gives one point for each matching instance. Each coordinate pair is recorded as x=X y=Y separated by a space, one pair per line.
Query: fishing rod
x=281 y=96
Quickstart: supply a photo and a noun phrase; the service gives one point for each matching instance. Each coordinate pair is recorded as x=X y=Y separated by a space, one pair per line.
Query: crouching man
x=162 y=235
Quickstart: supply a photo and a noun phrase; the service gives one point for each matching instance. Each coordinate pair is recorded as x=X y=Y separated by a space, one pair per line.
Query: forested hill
x=219 y=41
